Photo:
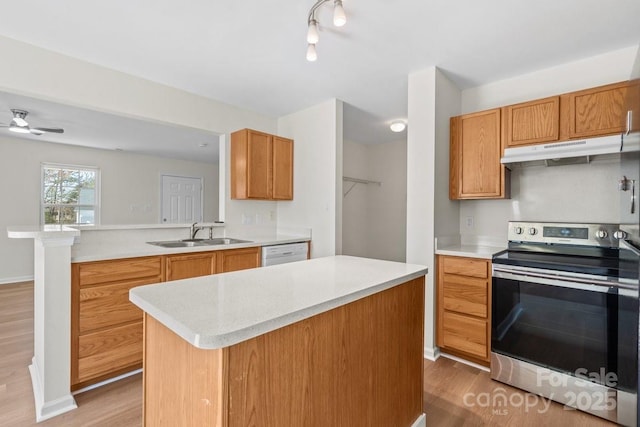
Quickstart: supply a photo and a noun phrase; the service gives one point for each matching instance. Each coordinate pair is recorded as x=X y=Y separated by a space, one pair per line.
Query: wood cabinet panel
x=471 y=267
x=190 y=265
x=172 y=395
x=465 y=295
x=324 y=371
x=102 y=352
x=476 y=147
x=92 y=273
x=463 y=307
x=632 y=107
x=465 y=334
x=261 y=166
x=282 y=168
x=238 y=259
x=598 y=111
x=532 y=122
x=103 y=306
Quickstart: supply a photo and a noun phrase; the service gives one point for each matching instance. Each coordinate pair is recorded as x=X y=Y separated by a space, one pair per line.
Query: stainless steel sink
x=189 y=243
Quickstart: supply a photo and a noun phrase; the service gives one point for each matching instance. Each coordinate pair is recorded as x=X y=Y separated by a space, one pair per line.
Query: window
x=70 y=194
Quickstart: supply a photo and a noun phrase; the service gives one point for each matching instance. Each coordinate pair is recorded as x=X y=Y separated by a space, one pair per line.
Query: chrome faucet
x=194 y=230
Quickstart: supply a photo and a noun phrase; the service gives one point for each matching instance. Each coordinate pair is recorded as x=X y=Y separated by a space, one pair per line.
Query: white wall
x=374 y=217
x=130 y=191
x=584 y=193
x=317 y=135
x=432 y=100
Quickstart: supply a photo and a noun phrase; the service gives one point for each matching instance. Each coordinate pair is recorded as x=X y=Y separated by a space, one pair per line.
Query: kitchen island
x=325 y=342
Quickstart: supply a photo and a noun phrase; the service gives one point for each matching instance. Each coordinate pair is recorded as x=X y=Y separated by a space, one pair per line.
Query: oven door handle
x=585 y=284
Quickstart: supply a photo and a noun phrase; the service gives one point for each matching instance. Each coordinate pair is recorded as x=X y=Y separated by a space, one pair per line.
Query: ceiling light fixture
x=339 y=19
x=398 y=125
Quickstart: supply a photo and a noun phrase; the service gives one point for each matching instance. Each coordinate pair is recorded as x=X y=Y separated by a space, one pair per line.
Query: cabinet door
x=476 y=171
x=259 y=165
x=190 y=265
x=238 y=259
x=598 y=111
x=532 y=122
x=282 y=168
x=632 y=107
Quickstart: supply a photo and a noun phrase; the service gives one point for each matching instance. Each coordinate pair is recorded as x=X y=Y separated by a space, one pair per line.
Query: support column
x=51 y=364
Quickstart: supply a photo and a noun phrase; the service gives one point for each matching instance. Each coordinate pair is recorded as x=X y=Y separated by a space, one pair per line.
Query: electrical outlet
x=469 y=222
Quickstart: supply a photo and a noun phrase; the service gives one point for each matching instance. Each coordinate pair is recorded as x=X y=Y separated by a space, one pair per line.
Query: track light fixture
x=339 y=19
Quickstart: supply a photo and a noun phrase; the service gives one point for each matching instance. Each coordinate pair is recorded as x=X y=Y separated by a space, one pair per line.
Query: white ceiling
x=252 y=53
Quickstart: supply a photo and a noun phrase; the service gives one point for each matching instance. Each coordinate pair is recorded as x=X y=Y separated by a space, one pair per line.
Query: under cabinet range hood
x=572 y=151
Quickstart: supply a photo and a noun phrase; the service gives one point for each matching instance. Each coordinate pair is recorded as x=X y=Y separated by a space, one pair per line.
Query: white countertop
x=41 y=231
x=470 y=250
x=132 y=249
x=224 y=309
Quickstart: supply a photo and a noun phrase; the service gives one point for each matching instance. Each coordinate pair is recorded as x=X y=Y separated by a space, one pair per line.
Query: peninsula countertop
x=221 y=310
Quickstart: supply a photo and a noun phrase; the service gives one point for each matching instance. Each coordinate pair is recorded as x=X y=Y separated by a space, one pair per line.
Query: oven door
x=578 y=325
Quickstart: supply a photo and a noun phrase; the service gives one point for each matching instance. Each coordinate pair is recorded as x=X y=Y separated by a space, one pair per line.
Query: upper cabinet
x=598 y=111
x=261 y=166
x=475 y=168
x=631 y=121
x=532 y=122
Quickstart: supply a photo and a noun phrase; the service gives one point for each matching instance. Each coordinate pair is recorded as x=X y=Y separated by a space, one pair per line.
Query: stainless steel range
x=565 y=316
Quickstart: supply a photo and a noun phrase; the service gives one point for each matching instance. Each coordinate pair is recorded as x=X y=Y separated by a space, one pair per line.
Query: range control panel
x=606 y=235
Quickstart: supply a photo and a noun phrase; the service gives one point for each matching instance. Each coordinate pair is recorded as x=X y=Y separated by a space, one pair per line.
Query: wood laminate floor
x=454 y=394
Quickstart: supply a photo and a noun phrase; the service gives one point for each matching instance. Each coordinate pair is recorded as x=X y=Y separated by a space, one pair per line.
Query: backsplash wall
x=571 y=193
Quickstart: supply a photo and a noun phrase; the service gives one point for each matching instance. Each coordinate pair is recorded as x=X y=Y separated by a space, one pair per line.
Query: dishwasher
x=280 y=254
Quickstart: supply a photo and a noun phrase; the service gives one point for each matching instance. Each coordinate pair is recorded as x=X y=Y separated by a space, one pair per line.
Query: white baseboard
x=52 y=408
x=421 y=421
x=466 y=362
x=431 y=353
x=109 y=381
x=12 y=280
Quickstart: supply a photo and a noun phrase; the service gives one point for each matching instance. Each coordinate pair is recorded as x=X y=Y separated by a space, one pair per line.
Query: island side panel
x=183 y=385
x=357 y=365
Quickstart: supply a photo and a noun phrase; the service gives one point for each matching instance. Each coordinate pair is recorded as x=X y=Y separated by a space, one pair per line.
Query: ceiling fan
x=20 y=125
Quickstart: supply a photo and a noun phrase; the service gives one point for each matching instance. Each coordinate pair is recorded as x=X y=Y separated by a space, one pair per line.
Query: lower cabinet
x=464 y=307
x=106 y=328
x=190 y=265
x=238 y=259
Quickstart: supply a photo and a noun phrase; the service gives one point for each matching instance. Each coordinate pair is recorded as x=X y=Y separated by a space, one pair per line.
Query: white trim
x=466 y=362
x=431 y=353
x=109 y=381
x=15 y=280
x=421 y=421
x=50 y=409
x=98 y=201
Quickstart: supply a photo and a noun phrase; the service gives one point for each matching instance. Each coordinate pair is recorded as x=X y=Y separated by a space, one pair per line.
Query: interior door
x=181 y=199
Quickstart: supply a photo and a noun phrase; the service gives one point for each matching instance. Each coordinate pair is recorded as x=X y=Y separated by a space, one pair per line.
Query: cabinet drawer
x=465 y=295
x=109 y=350
x=466 y=267
x=108 y=305
x=92 y=273
x=465 y=334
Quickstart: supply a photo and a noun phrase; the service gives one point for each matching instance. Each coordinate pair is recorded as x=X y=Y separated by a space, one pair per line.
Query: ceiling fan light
x=312 y=55
x=339 y=17
x=19 y=129
x=312 y=34
x=398 y=125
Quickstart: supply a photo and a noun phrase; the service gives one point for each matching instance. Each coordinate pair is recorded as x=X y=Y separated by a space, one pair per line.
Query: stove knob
x=620 y=235
x=533 y=231
x=518 y=230
x=601 y=234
